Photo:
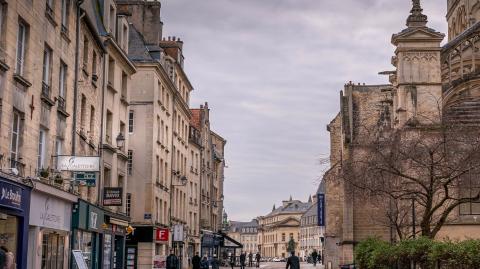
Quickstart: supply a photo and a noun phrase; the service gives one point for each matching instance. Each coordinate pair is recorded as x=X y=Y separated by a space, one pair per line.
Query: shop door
x=131 y=258
x=118 y=252
x=53 y=249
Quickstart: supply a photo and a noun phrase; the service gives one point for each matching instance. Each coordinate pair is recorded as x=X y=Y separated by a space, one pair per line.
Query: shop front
x=114 y=238
x=50 y=224
x=87 y=227
x=152 y=242
x=14 y=215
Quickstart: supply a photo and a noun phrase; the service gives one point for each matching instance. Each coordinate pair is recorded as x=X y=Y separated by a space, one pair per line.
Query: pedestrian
x=172 y=261
x=3 y=258
x=215 y=262
x=257 y=259
x=250 y=259
x=9 y=259
x=243 y=259
x=204 y=263
x=293 y=262
x=196 y=261
x=314 y=257
x=232 y=260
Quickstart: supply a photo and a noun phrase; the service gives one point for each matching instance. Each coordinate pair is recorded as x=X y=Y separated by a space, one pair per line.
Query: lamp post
x=120 y=141
x=183 y=182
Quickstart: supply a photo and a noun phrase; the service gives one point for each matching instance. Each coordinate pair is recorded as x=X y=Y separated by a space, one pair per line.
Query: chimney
x=145 y=17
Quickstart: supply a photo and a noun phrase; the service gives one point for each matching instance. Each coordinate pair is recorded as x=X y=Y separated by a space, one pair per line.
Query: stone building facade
x=279 y=226
x=430 y=86
x=311 y=234
x=245 y=233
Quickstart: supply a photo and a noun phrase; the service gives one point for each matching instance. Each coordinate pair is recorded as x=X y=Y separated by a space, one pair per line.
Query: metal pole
x=413 y=218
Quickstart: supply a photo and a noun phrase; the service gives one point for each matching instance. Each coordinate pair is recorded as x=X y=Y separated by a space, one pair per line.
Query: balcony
x=46 y=94
x=62 y=106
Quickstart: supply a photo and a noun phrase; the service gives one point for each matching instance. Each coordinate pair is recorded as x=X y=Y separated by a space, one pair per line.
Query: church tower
x=417 y=80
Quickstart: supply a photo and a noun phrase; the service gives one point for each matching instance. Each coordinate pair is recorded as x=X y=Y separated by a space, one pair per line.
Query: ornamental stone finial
x=416 y=18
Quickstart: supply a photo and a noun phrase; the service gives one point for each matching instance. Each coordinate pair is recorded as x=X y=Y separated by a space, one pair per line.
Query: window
x=159 y=133
x=65 y=15
x=112 y=21
x=130 y=121
x=15 y=141
x=124 y=85
x=85 y=53
x=128 y=204
x=53 y=249
x=49 y=7
x=167 y=101
x=109 y=127
x=130 y=162
x=62 y=85
x=21 y=44
x=125 y=37
x=47 y=59
x=157 y=164
x=41 y=149
x=283 y=237
x=111 y=71
x=94 y=63
x=470 y=188
x=83 y=113
x=3 y=12
x=92 y=122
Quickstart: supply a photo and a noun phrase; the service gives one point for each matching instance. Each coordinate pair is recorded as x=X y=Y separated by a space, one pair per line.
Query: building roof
x=139 y=50
x=292 y=206
x=236 y=226
x=312 y=211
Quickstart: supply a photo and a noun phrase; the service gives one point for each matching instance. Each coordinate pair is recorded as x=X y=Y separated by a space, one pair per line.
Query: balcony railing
x=45 y=90
x=61 y=103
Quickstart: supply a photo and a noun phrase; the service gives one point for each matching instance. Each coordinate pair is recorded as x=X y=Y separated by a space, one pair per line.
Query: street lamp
x=120 y=140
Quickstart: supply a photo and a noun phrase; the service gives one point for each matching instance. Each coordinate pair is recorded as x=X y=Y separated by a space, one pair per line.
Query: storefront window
x=107 y=250
x=53 y=247
x=84 y=243
x=8 y=232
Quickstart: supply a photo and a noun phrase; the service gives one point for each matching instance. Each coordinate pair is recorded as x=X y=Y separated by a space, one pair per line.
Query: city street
x=281 y=265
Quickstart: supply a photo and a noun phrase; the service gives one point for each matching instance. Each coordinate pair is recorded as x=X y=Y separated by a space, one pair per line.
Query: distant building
x=276 y=228
x=311 y=234
x=246 y=233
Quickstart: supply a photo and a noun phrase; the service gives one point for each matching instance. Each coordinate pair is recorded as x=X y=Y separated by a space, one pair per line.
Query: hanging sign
x=178 y=233
x=321 y=209
x=78 y=164
x=112 y=196
x=88 y=179
x=162 y=235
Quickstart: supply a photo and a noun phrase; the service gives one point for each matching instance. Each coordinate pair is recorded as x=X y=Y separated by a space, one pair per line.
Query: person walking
x=243 y=259
x=215 y=262
x=250 y=259
x=257 y=259
x=232 y=260
x=172 y=261
x=314 y=257
x=204 y=263
x=196 y=260
x=293 y=262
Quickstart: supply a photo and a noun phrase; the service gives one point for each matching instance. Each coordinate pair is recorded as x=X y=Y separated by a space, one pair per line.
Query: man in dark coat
x=257 y=259
x=314 y=257
x=293 y=262
x=172 y=261
x=243 y=258
x=250 y=259
x=196 y=261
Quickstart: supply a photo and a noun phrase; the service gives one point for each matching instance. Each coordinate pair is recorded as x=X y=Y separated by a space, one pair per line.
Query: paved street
x=281 y=265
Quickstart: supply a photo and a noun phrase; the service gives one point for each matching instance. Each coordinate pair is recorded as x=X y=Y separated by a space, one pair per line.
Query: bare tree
x=437 y=167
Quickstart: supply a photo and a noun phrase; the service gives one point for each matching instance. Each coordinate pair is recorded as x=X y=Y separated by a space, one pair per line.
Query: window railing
x=18 y=165
x=61 y=103
x=45 y=90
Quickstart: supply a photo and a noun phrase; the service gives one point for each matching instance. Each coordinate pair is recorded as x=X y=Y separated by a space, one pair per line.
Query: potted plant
x=44 y=173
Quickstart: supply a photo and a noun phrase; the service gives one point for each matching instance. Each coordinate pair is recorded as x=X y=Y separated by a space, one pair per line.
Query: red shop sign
x=162 y=235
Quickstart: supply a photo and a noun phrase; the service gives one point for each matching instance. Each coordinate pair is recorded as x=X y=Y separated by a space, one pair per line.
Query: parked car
x=276 y=259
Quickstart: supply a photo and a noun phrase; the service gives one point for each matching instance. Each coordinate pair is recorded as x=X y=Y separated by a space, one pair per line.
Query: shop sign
x=321 y=209
x=50 y=212
x=10 y=195
x=88 y=179
x=95 y=219
x=162 y=235
x=78 y=164
x=159 y=262
x=178 y=233
x=112 y=196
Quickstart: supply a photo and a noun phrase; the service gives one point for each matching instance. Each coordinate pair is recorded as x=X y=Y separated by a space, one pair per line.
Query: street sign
x=178 y=233
x=321 y=209
x=86 y=178
x=78 y=164
x=112 y=196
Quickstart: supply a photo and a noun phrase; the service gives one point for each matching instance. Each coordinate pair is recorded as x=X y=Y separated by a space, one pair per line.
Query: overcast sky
x=271 y=71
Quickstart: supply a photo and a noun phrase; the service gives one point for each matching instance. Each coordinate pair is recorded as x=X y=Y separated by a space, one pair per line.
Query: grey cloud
x=271 y=71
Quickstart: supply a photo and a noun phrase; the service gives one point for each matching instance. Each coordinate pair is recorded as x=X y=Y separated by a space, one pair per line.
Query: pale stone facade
x=279 y=226
x=311 y=234
x=245 y=233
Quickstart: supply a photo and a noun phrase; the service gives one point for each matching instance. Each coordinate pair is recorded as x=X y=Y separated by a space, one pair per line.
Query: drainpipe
x=80 y=15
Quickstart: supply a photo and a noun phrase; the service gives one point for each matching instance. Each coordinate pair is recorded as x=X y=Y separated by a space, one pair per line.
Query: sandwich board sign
x=78 y=255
